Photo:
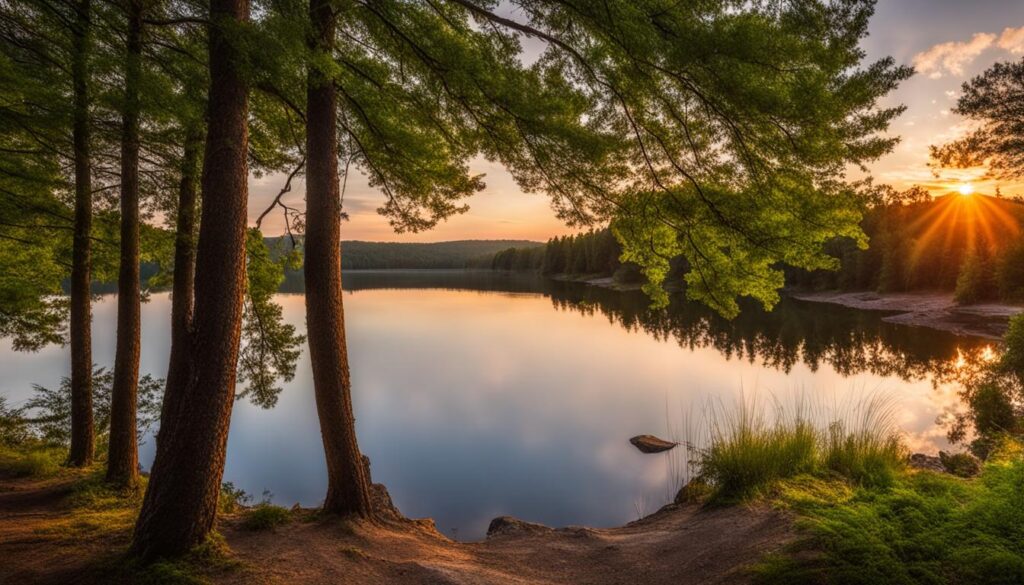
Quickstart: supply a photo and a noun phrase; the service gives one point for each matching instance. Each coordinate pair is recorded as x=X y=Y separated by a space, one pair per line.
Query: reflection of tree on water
x=848 y=340
x=851 y=341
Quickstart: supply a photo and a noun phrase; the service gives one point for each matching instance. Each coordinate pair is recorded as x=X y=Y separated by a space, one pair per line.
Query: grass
x=31 y=461
x=864 y=518
x=195 y=568
x=924 y=528
x=96 y=509
x=747 y=453
x=87 y=508
x=265 y=516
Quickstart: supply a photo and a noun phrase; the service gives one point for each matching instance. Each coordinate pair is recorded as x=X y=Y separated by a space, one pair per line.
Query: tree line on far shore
x=972 y=246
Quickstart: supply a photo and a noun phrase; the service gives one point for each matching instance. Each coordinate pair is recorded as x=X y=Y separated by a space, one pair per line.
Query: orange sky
x=948 y=41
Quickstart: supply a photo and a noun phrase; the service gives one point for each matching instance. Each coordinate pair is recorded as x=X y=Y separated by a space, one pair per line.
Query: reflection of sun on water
x=961 y=361
x=987 y=354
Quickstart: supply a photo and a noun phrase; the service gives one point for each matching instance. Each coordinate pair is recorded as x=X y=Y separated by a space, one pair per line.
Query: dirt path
x=679 y=545
x=33 y=547
x=932 y=310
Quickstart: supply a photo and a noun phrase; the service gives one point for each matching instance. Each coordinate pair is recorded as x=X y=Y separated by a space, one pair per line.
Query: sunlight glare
x=966 y=189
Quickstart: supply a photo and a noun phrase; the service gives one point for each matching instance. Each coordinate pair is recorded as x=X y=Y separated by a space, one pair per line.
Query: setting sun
x=966 y=189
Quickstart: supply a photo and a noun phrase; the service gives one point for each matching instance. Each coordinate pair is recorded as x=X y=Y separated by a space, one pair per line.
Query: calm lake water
x=480 y=394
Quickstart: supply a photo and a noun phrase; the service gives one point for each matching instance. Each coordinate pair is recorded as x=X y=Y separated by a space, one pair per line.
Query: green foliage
x=265 y=516
x=231 y=499
x=869 y=456
x=30 y=459
x=357 y=255
x=48 y=412
x=974 y=284
x=960 y=464
x=271 y=346
x=925 y=244
x=1010 y=273
x=1012 y=360
x=992 y=99
x=992 y=389
x=739 y=164
x=14 y=429
x=746 y=453
x=926 y=528
x=199 y=566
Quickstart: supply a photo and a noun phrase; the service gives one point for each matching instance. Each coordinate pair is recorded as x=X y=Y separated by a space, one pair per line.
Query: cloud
x=951 y=57
x=1012 y=40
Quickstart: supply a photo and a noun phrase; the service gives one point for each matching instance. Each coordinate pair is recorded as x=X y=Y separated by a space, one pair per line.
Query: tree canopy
x=994 y=100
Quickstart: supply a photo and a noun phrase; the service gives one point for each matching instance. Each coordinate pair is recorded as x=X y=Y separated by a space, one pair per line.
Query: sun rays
x=965 y=219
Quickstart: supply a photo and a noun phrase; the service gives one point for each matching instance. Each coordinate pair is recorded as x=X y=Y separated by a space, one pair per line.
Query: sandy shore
x=932 y=310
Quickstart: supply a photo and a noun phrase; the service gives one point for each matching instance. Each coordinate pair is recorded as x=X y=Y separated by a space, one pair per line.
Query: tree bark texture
x=348 y=490
x=183 y=288
x=81 y=452
x=123 y=454
x=180 y=505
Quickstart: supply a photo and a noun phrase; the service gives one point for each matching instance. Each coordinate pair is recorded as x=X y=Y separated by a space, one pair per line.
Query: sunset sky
x=948 y=41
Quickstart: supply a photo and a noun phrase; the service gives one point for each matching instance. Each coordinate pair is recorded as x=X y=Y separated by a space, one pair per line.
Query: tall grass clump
x=747 y=452
x=748 y=448
x=865 y=447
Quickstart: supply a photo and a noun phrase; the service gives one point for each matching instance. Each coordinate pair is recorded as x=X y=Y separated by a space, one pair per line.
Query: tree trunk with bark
x=123 y=455
x=183 y=289
x=348 y=489
x=81 y=451
x=180 y=505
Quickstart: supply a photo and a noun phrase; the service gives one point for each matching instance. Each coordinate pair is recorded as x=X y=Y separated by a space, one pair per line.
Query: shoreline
x=930 y=310
x=44 y=539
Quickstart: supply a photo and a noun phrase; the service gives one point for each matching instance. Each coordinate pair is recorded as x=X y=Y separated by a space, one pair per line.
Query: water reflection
x=480 y=394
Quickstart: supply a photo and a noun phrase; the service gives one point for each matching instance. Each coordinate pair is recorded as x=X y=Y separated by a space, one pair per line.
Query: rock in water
x=651 y=444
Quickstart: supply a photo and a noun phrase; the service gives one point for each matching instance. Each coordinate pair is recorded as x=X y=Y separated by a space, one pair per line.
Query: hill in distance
x=360 y=255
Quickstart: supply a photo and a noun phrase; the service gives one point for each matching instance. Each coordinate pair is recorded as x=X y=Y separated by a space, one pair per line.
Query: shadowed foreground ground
x=43 y=540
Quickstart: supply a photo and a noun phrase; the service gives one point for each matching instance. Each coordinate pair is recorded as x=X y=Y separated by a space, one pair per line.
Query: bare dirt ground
x=679 y=545
x=932 y=310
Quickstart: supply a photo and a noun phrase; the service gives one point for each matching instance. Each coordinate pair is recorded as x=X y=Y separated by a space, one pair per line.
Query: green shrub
x=14 y=427
x=30 y=461
x=1010 y=273
x=231 y=498
x=974 y=283
x=265 y=516
x=1012 y=359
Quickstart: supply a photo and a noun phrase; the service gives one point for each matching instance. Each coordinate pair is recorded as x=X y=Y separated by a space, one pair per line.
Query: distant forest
x=593 y=253
x=359 y=255
x=968 y=245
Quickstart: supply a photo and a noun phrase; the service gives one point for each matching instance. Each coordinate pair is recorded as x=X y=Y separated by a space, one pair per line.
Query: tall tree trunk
x=81 y=451
x=181 y=503
x=123 y=456
x=183 y=290
x=347 y=482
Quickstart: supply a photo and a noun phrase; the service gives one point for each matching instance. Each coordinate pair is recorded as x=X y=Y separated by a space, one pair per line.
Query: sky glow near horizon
x=947 y=41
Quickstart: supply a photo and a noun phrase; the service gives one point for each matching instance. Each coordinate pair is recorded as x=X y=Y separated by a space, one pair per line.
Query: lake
x=480 y=394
